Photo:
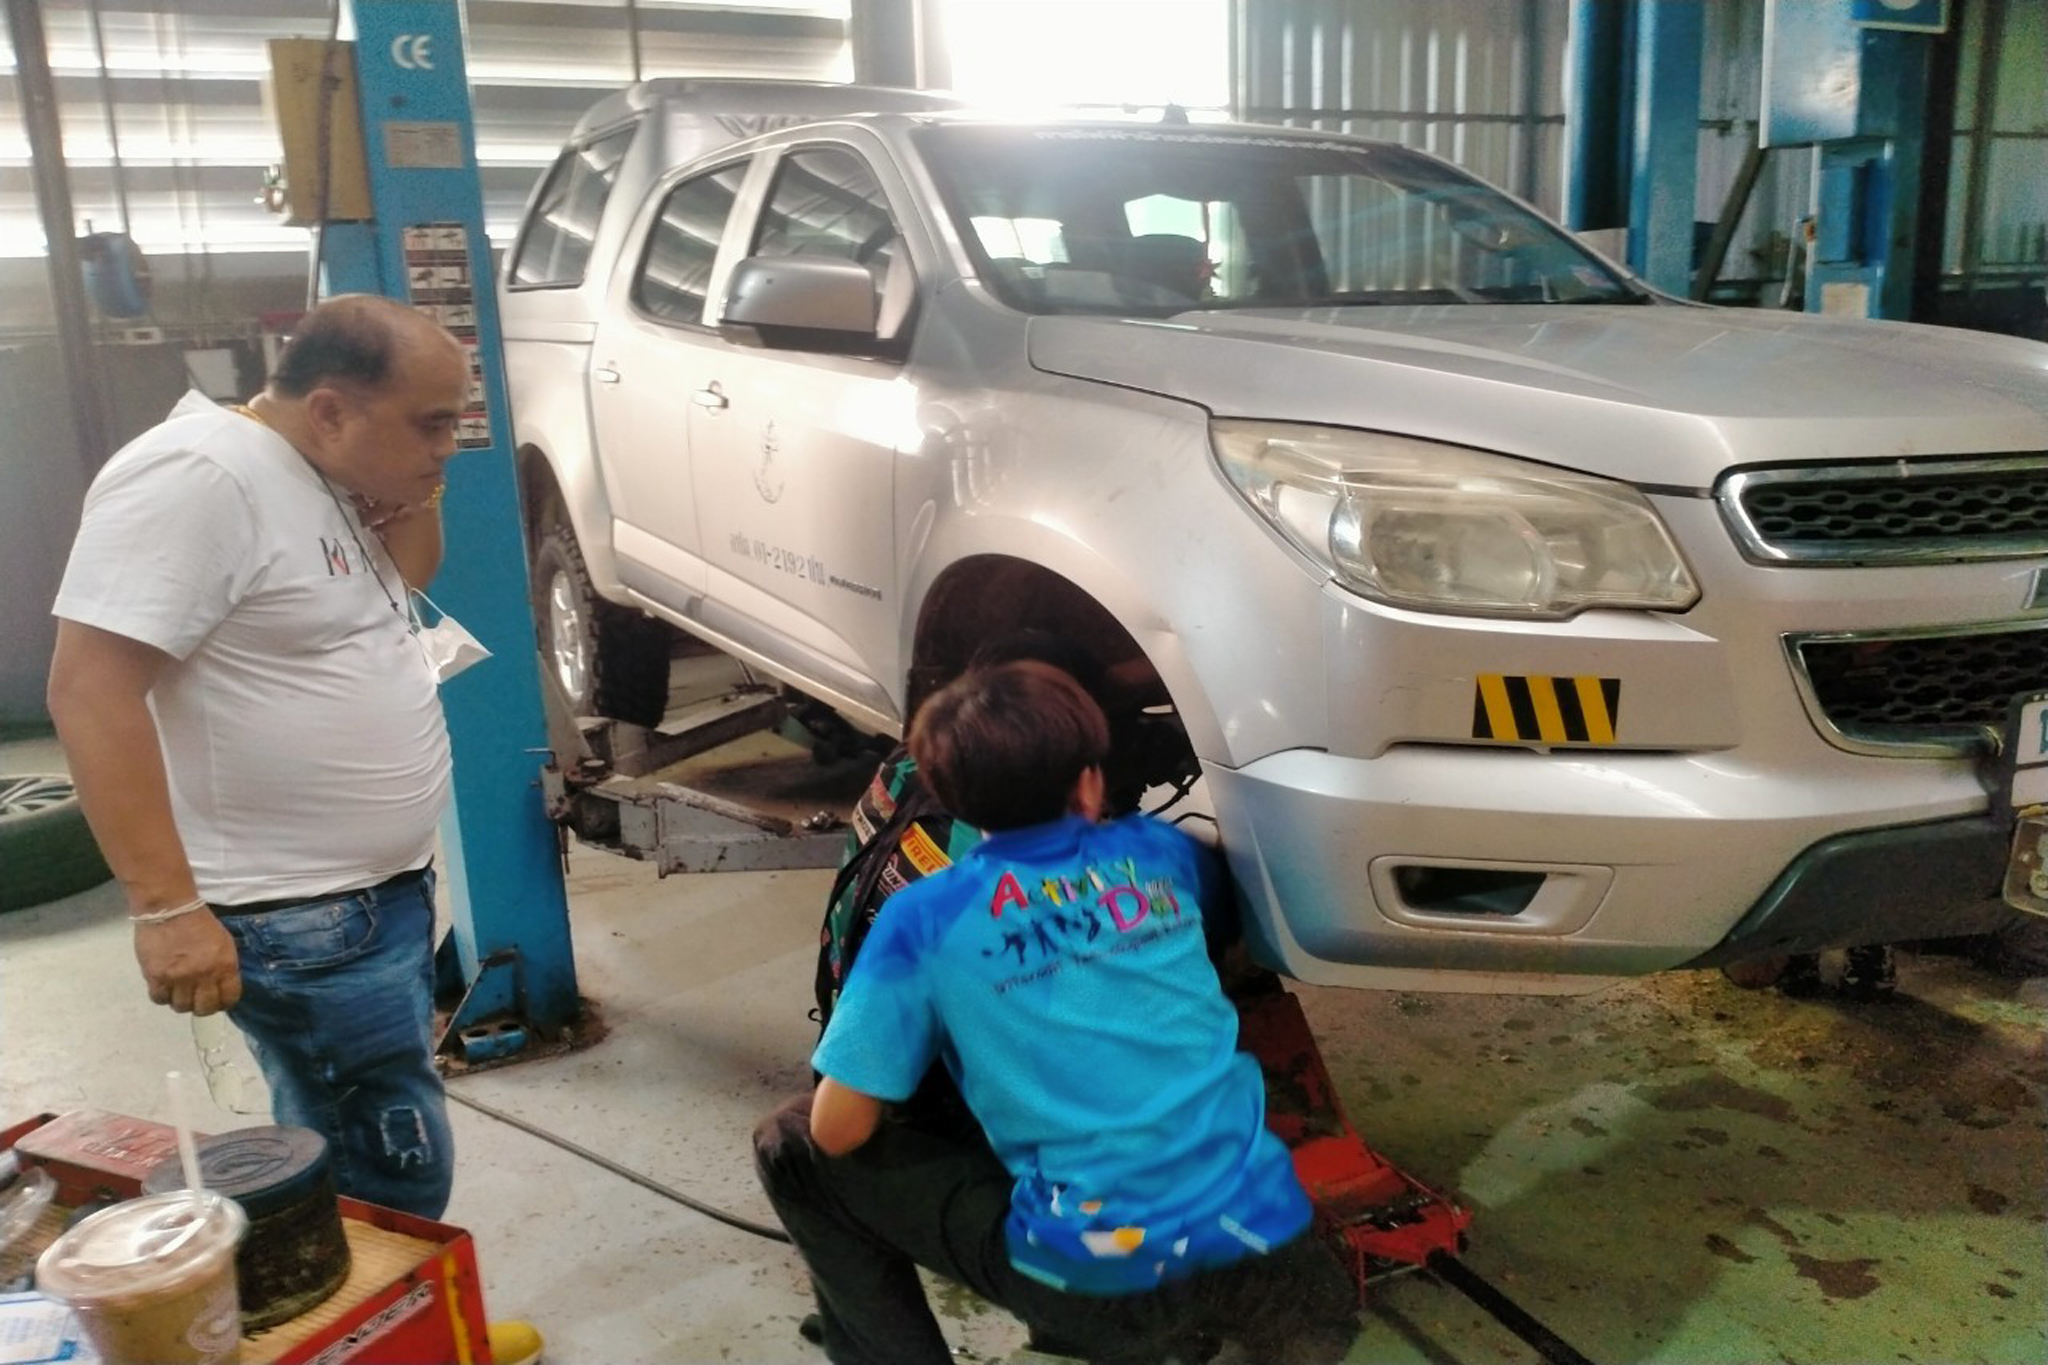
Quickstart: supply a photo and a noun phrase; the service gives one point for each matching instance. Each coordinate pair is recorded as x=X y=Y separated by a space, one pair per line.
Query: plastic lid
x=22 y=1205
x=262 y=1169
x=140 y=1247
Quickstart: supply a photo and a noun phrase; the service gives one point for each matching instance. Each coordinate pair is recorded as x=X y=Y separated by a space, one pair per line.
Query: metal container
x=295 y=1255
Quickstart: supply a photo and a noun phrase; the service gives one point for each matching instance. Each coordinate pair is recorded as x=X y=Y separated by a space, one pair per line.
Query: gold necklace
x=431 y=502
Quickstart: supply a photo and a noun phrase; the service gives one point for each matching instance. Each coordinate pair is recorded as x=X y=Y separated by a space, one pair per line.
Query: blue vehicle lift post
x=425 y=244
x=1849 y=78
x=1632 y=136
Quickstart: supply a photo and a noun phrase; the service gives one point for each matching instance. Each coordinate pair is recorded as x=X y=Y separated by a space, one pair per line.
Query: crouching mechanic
x=1128 y=1197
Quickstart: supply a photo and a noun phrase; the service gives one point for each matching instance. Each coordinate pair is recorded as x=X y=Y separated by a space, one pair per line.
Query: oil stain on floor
x=1696 y=1173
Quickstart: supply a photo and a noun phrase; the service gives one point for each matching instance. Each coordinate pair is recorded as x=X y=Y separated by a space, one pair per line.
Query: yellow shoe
x=515 y=1343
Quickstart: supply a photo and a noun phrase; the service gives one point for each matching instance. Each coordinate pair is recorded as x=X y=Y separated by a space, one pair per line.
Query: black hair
x=1002 y=747
x=351 y=341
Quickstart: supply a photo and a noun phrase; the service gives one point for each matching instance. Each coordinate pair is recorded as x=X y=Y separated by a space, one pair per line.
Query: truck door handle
x=713 y=398
x=605 y=374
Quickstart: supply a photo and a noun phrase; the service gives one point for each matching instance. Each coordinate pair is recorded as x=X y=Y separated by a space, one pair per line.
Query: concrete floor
x=1669 y=1171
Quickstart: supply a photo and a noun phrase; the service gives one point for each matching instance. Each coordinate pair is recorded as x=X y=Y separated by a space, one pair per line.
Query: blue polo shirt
x=1059 y=972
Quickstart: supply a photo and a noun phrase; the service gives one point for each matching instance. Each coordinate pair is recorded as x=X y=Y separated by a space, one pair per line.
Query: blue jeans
x=337 y=1005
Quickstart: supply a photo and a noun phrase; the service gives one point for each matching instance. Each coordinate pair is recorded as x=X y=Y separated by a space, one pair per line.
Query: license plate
x=2026 y=872
x=2026 y=750
x=2024 y=769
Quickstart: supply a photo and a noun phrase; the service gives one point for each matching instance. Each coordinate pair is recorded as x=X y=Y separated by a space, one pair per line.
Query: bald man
x=255 y=732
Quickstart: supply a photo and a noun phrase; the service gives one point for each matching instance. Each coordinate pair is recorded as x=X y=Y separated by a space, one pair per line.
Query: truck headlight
x=1443 y=528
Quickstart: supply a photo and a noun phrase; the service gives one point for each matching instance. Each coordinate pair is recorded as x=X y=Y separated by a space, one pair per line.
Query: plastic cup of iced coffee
x=153 y=1279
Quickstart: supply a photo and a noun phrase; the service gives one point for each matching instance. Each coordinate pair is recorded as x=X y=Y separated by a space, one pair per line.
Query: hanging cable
x=1180 y=792
x=175 y=100
x=645 y=1182
x=99 y=47
x=323 y=153
x=122 y=259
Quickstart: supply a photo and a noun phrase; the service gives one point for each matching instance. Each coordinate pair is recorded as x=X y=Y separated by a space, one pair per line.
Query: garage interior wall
x=1995 y=248
x=1479 y=82
x=184 y=83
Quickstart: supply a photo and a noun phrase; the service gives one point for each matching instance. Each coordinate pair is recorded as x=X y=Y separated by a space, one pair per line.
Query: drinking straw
x=181 y=1121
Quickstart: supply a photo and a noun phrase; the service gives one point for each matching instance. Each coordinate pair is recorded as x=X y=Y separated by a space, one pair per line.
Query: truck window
x=1154 y=221
x=553 y=249
x=826 y=202
x=675 y=270
x=1036 y=240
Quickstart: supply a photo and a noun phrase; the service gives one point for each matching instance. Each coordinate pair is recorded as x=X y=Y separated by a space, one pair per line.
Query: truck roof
x=734 y=108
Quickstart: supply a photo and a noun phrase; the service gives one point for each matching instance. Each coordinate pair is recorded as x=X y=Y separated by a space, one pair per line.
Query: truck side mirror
x=803 y=303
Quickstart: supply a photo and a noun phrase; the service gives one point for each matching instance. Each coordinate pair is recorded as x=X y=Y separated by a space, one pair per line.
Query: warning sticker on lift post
x=1540 y=710
x=441 y=282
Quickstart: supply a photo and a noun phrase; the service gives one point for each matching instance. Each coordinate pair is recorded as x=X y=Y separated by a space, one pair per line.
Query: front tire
x=608 y=660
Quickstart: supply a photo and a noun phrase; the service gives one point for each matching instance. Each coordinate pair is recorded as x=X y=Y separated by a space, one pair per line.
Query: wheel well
x=539 y=494
x=981 y=599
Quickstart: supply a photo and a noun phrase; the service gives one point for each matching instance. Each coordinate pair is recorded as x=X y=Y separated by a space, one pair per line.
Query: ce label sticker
x=413 y=51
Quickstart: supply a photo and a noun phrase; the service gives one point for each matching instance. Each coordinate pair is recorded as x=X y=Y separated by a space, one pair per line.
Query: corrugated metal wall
x=185 y=87
x=1478 y=81
x=1998 y=201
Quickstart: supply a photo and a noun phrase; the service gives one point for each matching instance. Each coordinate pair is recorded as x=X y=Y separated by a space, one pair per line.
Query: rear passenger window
x=675 y=270
x=826 y=202
x=554 y=249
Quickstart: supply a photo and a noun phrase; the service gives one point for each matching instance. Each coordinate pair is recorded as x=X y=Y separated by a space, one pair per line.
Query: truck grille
x=1948 y=692
x=1900 y=512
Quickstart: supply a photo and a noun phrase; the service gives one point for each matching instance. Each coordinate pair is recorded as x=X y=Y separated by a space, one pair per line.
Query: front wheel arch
x=984 y=598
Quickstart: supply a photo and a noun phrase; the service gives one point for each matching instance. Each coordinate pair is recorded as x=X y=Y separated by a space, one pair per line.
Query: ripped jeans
x=337 y=1005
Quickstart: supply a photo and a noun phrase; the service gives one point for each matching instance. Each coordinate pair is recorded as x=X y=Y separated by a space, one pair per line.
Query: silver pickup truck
x=1526 y=627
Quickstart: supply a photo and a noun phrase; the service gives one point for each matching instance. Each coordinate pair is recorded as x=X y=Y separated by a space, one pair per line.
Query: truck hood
x=1655 y=394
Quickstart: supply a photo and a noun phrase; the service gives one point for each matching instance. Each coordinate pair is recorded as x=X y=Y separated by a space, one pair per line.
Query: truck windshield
x=1148 y=220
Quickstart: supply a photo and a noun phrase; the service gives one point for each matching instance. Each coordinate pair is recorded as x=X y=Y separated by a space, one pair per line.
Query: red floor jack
x=1381 y=1220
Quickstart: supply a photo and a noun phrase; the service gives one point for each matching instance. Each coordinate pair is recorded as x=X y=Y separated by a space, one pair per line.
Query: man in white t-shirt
x=256 y=735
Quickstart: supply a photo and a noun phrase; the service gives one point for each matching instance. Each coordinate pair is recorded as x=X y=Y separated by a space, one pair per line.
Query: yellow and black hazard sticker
x=1539 y=710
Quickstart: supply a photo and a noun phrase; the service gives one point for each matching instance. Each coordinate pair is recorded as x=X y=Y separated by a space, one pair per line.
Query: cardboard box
x=94 y=1155
x=412 y=1294
x=300 y=68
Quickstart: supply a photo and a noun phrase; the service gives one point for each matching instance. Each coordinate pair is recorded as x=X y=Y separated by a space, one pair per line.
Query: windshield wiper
x=1379 y=298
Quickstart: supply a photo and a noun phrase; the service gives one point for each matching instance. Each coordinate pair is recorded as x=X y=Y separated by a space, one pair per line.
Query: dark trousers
x=907 y=1198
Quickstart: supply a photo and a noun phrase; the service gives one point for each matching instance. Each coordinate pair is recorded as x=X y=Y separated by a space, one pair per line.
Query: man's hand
x=411 y=533
x=189 y=963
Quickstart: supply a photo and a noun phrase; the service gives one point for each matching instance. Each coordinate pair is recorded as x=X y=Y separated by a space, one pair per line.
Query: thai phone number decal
x=784 y=560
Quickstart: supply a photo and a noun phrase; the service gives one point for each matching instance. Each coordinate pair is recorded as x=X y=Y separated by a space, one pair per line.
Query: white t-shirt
x=301 y=726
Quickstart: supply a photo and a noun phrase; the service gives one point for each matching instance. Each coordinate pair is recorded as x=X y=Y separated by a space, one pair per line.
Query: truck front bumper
x=1448 y=868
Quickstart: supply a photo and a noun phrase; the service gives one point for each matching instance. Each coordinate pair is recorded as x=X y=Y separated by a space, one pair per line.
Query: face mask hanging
x=448 y=647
